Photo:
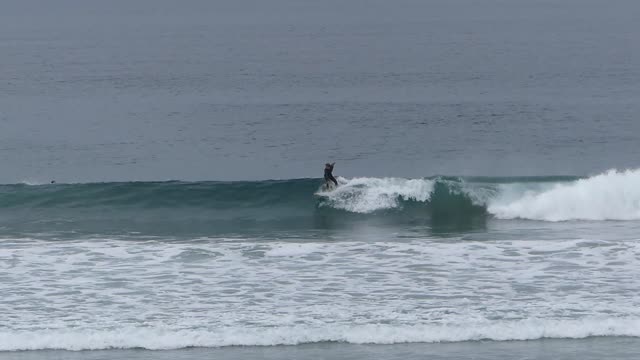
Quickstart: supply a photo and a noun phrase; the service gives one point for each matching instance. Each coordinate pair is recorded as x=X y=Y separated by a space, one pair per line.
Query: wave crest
x=613 y=195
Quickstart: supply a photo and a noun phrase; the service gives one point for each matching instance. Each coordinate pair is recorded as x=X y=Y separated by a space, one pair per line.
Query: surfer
x=328 y=176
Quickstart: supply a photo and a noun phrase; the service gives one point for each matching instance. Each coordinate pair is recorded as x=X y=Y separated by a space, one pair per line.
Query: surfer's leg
x=334 y=180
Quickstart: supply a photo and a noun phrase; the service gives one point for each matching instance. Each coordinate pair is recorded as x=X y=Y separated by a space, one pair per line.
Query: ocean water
x=175 y=265
x=489 y=199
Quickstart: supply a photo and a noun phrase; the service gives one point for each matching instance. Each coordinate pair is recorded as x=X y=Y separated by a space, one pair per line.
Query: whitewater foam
x=218 y=292
x=292 y=249
x=613 y=195
x=366 y=195
x=167 y=338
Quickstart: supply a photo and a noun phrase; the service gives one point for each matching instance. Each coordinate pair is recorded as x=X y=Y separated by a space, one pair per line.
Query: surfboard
x=329 y=186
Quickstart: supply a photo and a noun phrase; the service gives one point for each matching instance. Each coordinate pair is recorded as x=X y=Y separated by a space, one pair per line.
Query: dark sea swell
x=236 y=207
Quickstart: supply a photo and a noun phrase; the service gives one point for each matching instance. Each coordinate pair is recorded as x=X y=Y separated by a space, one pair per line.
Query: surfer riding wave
x=328 y=174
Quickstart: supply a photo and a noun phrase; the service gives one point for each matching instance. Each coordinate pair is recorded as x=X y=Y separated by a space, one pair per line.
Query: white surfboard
x=329 y=186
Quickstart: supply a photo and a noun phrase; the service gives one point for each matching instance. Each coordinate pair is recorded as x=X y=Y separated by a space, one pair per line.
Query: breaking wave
x=166 y=339
x=224 y=206
x=612 y=195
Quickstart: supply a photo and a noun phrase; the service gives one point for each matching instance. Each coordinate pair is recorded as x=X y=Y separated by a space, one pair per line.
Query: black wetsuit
x=328 y=176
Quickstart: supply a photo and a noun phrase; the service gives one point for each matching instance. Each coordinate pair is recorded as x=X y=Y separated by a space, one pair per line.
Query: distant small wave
x=166 y=339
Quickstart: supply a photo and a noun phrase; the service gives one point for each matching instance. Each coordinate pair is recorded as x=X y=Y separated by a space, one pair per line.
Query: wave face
x=301 y=203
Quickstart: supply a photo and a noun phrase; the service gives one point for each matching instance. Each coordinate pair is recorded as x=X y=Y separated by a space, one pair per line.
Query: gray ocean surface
x=487 y=154
x=243 y=90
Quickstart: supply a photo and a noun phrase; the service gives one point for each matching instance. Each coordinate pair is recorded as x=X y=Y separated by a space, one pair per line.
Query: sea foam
x=366 y=195
x=164 y=338
x=613 y=195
